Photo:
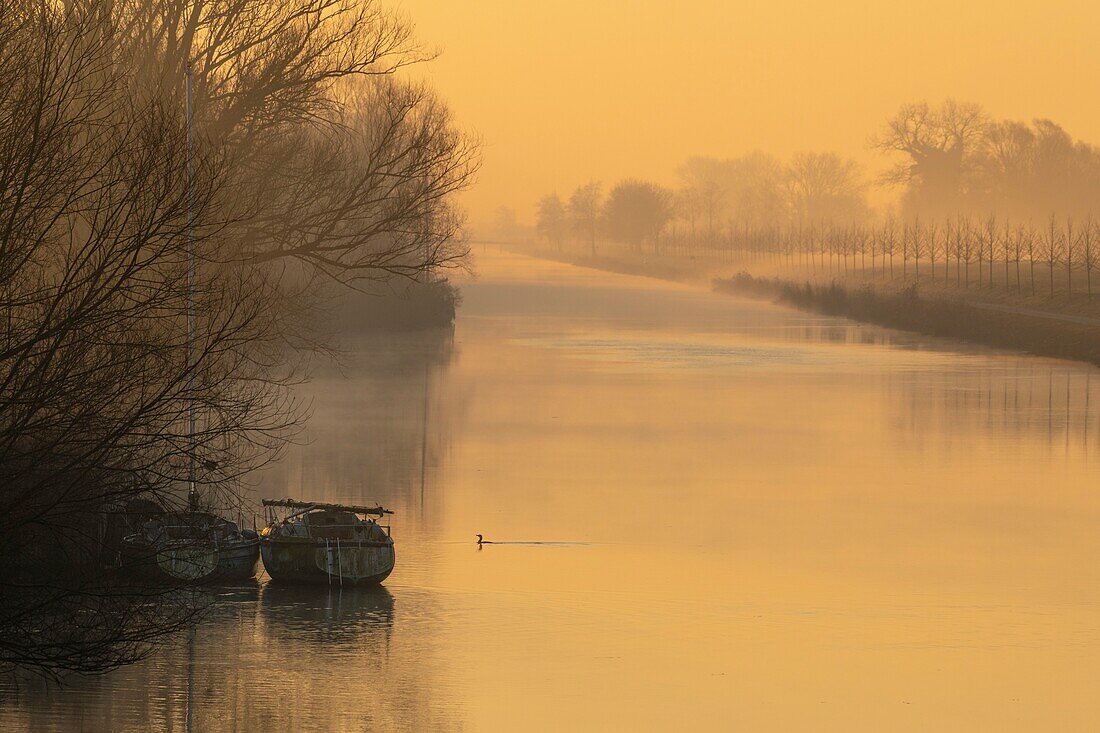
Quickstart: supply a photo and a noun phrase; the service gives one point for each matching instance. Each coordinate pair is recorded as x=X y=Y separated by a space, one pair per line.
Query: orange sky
x=565 y=91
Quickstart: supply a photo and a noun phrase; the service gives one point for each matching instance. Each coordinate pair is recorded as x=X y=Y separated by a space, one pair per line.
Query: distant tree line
x=716 y=197
x=984 y=203
x=1056 y=257
x=145 y=273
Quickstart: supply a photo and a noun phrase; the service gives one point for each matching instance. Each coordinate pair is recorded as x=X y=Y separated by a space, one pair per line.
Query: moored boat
x=192 y=546
x=316 y=542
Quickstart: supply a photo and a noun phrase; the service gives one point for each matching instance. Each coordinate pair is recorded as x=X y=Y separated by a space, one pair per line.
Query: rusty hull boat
x=314 y=542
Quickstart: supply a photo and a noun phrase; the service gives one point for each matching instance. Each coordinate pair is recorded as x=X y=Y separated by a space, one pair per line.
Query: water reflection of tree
x=377 y=422
x=276 y=658
x=1019 y=398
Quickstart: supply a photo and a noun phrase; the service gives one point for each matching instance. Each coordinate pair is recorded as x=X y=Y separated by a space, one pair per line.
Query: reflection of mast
x=424 y=438
x=189 y=714
x=427 y=362
x=192 y=492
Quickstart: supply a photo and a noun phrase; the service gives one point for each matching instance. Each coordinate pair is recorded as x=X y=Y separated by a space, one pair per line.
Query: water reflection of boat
x=191 y=546
x=354 y=612
x=326 y=543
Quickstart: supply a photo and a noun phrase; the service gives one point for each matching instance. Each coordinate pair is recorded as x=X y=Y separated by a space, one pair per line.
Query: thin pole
x=192 y=491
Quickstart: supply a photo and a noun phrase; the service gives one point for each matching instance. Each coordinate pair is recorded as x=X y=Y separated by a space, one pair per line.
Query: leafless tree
x=1088 y=253
x=312 y=163
x=636 y=211
x=933 y=247
x=1030 y=240
x=906 y=246
x=918 y=247
x=1052 y=245
x=824 y=187
x=989 y=237
x=584 y=212
x=703 y=193
x=1069 y=251
x=889 y=241
x=935 y=147
x=1017 y=245
x=95 y=384
x=551 y=220
x=964 y=233
x=336 y=164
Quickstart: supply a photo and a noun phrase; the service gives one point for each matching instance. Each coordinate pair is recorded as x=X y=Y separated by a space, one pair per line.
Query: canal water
x=707 y=513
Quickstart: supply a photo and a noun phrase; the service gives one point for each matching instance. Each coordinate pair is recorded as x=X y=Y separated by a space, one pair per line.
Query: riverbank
x=412 y=306
x=682 y=270
x=1066 y=331
x=1039 y=333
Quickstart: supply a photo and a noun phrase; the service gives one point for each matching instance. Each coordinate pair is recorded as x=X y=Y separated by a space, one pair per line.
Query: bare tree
x=989 y=236
x=94 y=302
x=936 y=147
x=551 y=220
x=906 y=246
x=1030 y=240
x=704 y=193
x=636 y=211
x=917 y=246
x=1069 y=250
x=584 y=212
x=825 y=187
x=966 y=236
x=889 y=240
x=933 y=247
x=1088 y=254
x=1017 y=244
x=369 y=198
x=335 y=163
x=313 y=164
x=1052 y=244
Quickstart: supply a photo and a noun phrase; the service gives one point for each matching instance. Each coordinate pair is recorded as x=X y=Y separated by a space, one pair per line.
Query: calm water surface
x=713 y=514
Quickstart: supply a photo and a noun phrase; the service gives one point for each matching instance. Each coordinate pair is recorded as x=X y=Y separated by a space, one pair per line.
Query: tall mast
x=192 y=491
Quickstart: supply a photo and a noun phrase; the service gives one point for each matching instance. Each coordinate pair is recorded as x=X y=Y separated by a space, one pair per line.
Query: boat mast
x=192 y=491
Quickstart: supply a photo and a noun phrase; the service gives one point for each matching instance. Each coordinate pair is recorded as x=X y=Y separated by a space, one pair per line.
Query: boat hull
x=302 y=560
x=193 y=561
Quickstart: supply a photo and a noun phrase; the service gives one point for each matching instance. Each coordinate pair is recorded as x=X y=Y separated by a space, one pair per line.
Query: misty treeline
x=982 y=203
x=312 y=163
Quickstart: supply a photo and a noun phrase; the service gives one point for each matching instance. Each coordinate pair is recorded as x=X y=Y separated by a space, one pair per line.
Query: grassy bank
x=1054 y=325
x=683 y=270
x=951 y=318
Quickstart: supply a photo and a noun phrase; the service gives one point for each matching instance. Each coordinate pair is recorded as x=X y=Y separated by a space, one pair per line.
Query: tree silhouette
x=937 y=147
x=584 y=212
x=637 y=211
x=551 y=220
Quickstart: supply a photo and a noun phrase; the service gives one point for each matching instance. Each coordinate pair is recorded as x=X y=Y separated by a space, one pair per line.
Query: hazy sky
x=565 y=91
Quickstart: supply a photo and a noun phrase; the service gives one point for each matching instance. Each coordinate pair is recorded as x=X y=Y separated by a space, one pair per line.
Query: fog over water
x=714 y=513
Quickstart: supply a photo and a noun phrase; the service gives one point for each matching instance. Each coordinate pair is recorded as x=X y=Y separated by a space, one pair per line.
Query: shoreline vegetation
x=1033 y=332
x=990 y=221
x=194 y=195
x=412 y=306
x=1058 y=328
